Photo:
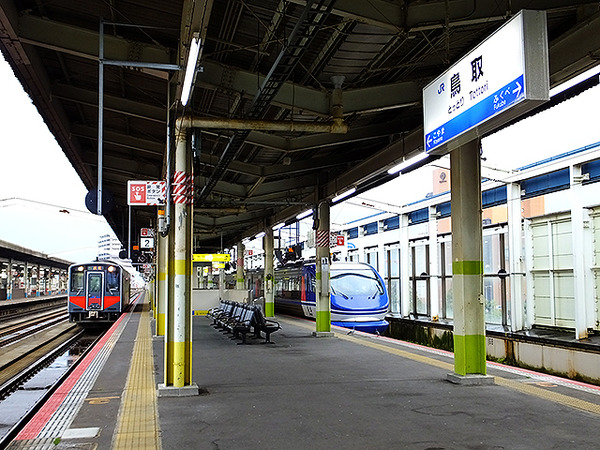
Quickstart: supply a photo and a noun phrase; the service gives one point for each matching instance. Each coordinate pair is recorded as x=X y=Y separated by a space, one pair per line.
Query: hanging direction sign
x=211 y=257
x=503 y=77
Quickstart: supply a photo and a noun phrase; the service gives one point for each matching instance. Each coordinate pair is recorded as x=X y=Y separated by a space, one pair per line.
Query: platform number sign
x=146 y=242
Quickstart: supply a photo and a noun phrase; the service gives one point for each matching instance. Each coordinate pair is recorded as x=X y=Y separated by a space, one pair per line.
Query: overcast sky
x=49 y=213
x=34 y=168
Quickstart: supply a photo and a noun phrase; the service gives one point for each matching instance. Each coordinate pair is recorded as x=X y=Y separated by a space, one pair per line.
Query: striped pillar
x=162 y=249
x=269 y=278
x=323 y=264
x=240 y=282
x=467 y=261
x=178 y=333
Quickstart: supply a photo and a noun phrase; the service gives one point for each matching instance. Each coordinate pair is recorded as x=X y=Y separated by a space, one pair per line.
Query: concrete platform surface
x=348 y=391
x=357 y=392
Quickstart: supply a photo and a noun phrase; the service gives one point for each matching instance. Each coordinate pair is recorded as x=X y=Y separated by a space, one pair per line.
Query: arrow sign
x=497 y=102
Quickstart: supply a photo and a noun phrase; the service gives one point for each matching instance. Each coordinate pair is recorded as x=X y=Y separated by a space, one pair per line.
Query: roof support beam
x=137 y=144
x=84 y=43
x=111 y=103
x=421 y=16
x=295 y=96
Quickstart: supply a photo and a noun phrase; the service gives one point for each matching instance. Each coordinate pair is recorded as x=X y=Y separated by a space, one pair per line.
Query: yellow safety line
x=555 y=397
x=137 y=425
x=520 y=386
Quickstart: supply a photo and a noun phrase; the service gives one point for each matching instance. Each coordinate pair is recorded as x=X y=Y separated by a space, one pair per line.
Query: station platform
x=349 y=391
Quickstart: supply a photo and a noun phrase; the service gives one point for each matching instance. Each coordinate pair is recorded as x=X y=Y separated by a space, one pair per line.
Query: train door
x=94 y=289
x=308 y=296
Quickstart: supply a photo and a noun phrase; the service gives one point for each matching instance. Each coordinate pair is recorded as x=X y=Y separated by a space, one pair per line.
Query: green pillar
x=467 y=266
x=323 y=264
x=269 y=279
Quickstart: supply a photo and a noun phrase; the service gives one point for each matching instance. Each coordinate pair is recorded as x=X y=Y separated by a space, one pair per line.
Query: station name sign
x=503 y=77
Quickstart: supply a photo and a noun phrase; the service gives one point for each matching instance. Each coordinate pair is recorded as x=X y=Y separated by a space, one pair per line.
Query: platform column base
x=470 y=379
x=323 y=334
x=171 y=391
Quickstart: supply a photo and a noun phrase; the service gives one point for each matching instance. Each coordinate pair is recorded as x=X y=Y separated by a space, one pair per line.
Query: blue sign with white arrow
x=498 y=101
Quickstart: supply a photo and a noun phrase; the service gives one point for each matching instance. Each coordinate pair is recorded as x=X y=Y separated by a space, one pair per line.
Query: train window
x=355 y=282
x=76 y=281
x=112 y=281
x=94 y=284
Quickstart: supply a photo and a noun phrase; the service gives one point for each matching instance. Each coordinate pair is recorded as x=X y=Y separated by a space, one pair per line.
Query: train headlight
x=111 y=268
x=80 y=269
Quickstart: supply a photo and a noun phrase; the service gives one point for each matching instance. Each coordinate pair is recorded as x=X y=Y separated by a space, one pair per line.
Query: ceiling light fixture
x=190 y=69
x=408 y=162
x=304 y=214
x=343 y=195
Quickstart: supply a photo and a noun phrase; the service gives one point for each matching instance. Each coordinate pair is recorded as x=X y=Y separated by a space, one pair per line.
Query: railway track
x=30 y=341
x=23 y=359
x=22 y=308
x=27 y=376
x=17 y=329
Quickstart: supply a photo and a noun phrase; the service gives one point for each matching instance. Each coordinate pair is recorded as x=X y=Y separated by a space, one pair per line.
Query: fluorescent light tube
x=343 y=195
x=408 y=162
x=190 y=69
x=304 y=214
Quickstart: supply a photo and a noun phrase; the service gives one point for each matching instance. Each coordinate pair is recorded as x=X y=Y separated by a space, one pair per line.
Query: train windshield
x=355 y=282
x=76 y=281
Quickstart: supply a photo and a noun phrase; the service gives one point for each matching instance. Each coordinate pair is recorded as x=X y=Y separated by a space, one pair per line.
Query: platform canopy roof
x=381 y=52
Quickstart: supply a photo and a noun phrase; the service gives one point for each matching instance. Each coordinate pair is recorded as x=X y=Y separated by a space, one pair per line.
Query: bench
x=239 y=319
x=262 y=324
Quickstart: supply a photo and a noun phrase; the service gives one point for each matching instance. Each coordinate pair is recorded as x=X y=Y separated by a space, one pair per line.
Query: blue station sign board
x=506 y=72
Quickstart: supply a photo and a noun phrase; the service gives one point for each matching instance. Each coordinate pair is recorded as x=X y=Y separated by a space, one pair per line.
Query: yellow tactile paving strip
x=520 y=386
x=137 y=423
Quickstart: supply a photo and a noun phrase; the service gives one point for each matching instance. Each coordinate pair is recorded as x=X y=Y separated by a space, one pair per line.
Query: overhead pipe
x=336 y=126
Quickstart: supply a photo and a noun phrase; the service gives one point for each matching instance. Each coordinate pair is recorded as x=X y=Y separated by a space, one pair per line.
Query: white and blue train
x=359 y=299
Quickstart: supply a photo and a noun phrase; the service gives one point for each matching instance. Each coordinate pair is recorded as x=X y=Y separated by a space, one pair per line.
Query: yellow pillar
x=162 y=248
x=178 y=333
